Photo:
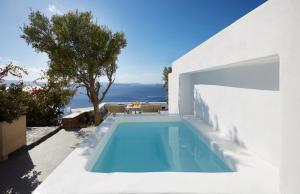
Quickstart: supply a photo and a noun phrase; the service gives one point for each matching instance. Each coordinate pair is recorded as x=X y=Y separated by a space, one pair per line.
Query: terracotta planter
x=12 y=136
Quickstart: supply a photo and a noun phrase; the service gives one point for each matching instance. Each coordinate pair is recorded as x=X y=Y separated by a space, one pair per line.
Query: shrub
x=13 y=70
x=12 y=102
x=45 y=104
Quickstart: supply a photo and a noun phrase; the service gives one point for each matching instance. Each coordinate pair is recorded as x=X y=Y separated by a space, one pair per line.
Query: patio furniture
x=150 y=108
x=136 y=107
x=116 y=108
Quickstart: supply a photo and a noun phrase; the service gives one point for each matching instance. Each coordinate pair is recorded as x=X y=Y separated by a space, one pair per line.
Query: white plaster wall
x=186 y=95
x=241 y=100
x=271 y=29
x=249 y=117
x=290 y=82
x=173 y=93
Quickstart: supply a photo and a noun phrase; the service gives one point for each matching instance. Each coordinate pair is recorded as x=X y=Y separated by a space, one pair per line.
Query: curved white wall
x=271 y=29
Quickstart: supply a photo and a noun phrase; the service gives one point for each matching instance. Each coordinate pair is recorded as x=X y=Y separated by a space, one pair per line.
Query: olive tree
x=79 y=50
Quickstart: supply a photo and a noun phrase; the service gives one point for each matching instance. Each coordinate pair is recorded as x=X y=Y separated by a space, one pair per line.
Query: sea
x=119 y=92
x=123 y=92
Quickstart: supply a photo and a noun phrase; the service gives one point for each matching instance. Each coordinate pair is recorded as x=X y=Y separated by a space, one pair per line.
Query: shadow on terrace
x=25 y=169
x=18 y=174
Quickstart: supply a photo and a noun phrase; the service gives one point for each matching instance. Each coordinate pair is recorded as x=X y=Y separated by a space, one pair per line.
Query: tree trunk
x=93 y=94
x=97 y=117
x=94 y=99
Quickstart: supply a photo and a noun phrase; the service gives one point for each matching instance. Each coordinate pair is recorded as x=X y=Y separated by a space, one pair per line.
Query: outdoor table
x=134 y=108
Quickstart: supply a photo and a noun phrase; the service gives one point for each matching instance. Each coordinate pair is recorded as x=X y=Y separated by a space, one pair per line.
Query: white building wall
x=228 y=110
x=290 y=101
x=173 y=93
x=271 y=29
x=186 y=95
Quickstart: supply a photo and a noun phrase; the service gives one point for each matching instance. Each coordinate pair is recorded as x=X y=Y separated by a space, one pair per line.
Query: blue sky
x=157 y=31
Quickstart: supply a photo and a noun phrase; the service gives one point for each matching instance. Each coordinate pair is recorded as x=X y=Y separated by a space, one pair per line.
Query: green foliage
x=165 y=78
x=12 y=102
x=45 y=104
x=80 y=50
x=42 y=105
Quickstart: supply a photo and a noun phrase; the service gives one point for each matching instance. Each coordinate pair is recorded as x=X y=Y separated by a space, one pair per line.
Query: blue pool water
x=157 y=147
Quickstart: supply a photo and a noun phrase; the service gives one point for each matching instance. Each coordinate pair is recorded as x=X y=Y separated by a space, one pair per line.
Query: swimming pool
x=178 y=160
x=166 y=146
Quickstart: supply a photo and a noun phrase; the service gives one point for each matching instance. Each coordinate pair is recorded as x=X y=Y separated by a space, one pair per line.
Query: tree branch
x=106 y=89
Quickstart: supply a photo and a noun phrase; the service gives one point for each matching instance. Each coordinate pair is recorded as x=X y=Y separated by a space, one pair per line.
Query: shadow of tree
x=91 y=140
x=18 y=174
x=202 y=111
x=81 y=134
x=234 y=137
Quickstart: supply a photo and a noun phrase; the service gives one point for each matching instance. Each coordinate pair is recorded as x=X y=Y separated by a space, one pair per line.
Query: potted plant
x=12 y=110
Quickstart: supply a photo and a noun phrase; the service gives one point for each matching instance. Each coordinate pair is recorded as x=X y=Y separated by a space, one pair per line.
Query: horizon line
x=100 y=82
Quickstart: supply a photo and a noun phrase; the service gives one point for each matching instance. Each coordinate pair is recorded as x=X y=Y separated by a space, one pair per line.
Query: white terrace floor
x=253 y=175
x=25 y=170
